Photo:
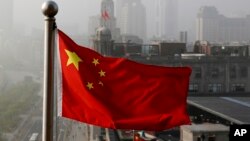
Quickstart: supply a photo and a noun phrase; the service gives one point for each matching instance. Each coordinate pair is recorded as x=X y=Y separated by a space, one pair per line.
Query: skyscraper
x=214 y=27
x=108 y=18
x=107 y=6
x=165 y=19
x=207 y=24
x=118 y=6
x=183 y=36
x=105 y=19
x=132 y=18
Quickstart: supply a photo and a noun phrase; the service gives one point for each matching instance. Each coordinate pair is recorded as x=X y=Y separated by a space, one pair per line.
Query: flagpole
x=49 y=9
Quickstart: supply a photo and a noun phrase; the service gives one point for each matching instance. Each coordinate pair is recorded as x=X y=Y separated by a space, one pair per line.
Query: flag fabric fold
x=118 y=93
x=105 y=15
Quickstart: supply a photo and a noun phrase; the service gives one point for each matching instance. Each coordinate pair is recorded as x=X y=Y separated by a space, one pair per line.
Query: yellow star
x=102 y=73
x=95 y=61
x=100 y=83
x=90 y=85
x=73 y=59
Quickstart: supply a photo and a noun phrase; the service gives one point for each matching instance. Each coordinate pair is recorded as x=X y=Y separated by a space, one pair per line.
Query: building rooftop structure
x=204 y=131
x=206 y=127
x=234 y=109
x=103 y=30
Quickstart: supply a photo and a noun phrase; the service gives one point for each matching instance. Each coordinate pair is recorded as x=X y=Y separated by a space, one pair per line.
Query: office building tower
x=108 y=19
x=207 y=24
x=118 y=6
x=165 y=19
x=105 y=19
x=183 y=37
x=133 y=18
x=217 y=28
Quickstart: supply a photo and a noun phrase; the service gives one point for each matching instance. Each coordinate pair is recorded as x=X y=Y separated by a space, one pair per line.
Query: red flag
x=137 y=137
x=105 y=15
x=118 y=93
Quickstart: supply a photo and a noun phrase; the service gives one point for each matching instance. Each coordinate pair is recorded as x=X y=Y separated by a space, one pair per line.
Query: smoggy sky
x=75 y=13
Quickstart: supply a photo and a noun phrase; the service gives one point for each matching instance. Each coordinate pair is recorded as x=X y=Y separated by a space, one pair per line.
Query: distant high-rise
x=183 y=36
x=214 y=27
x=103 y=42
x=133 y=18
x=165 y=19
x=6 y=14
x=207 y=24
x=94 y=23
x=107 y=6
x=118 y=7
x=105 y=19
x=108 y=18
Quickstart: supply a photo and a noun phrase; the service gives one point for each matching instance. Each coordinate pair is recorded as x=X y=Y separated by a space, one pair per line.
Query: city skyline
x=214 y=27
x=76 y=14
x=218 y=90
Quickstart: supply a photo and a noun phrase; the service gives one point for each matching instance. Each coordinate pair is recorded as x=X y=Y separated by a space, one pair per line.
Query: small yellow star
x=90 y=85
x=73 y=59
x=95 y=61
x=102 y=73
x=100 y=83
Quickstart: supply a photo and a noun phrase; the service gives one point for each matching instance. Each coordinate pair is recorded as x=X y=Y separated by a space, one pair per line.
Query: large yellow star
x=73 y=59
x=95 y=61
x=90 y=85
x=102 y=73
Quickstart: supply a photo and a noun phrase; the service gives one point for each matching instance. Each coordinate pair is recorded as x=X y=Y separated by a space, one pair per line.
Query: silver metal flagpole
x=49 y=10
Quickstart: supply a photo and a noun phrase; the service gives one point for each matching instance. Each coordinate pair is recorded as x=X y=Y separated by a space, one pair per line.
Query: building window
x=243 y=72
x=214 y=88
x=211 y=138
x=201 y=138
x=193 y=88
x=215 y=73
x=197 y=73
x=232 y=72
x=238 y=87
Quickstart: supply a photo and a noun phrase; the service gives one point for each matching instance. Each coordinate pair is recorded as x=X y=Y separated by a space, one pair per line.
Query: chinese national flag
x=105 y=15
x=118 y=93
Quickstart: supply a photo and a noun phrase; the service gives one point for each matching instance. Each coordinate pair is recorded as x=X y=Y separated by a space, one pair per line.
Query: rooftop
x=235 y=109
x=208 y=127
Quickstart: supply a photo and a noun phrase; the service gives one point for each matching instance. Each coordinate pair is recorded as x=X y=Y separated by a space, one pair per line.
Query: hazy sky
x=74 y=14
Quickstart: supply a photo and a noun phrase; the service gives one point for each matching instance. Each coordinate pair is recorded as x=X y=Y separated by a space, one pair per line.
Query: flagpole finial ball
x=49 y=8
